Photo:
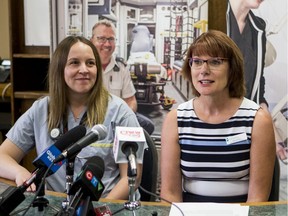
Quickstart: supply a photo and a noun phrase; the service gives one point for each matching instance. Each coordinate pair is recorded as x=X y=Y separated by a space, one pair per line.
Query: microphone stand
x=80 y=204
x=71 y=207
x=69 y=182
x=71 y=203
x=40 y=201
x=132 y=204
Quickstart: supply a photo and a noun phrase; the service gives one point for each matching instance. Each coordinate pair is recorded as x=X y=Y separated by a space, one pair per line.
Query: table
x=147 y=208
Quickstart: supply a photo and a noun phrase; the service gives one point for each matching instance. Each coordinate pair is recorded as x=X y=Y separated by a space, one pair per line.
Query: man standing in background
x=117 y=78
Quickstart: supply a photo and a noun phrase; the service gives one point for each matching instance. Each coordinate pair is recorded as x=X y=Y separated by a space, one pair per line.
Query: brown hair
x=98 y=99
x=217 y=44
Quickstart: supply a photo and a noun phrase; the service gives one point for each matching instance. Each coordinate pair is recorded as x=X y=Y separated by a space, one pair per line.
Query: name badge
x=236 y=138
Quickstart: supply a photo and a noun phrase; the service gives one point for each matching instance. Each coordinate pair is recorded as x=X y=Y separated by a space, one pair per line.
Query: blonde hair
x=97 y=102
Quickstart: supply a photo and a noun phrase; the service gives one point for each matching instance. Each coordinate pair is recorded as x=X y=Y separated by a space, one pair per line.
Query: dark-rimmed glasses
x=104 y=39
x=213 y=63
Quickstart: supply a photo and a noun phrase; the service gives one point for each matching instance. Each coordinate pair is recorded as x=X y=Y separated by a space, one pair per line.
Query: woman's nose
x=83 y=68
x=205 y=69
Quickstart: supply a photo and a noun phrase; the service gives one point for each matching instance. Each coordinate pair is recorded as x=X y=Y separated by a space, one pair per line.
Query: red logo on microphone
x=131 y=133
x=89 y=175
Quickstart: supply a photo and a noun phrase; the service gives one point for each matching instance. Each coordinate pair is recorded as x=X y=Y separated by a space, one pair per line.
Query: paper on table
x=208 y=209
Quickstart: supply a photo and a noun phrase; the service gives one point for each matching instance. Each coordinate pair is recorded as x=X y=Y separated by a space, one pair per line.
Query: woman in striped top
x=218 y=146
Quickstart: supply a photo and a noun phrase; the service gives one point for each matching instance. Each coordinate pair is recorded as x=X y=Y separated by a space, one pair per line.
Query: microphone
x=87 y=187
x=13 y=196
x=130 y=149
x=89 y=179
x=129 y=134
x=129 y=145
x=48 y=156
x=98 y=132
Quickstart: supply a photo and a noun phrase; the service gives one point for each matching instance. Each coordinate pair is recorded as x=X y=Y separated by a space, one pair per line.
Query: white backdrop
x=37 y=24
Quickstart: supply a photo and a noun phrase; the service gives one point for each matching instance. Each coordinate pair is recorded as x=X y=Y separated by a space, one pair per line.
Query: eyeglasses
x=104 y=39
x=213 y=63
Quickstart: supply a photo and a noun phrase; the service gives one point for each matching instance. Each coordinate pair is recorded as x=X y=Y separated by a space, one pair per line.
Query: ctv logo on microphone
x=89 y=175
x=93 y=180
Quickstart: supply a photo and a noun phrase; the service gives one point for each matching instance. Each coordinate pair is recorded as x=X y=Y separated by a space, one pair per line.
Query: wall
x=4 y=25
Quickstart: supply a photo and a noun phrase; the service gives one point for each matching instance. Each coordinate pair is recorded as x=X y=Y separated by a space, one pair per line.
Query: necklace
x=77 y=117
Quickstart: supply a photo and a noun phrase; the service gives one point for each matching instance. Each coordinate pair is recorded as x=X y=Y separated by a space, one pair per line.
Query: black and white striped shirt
x=215 y=152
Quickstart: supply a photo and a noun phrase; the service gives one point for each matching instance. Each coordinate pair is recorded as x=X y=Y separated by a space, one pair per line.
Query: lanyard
x=65 y=123
x=55 y=133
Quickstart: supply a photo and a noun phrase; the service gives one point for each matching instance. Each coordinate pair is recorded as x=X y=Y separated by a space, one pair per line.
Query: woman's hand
x=282 y=151
x=23 y=176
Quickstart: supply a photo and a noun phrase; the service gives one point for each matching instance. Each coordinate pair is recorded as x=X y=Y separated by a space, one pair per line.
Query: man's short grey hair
x=106 y=23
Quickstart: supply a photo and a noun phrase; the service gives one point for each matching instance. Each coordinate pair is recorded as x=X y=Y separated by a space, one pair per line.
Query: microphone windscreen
x=89 y=179
x=47 y=156
x=70 y=137
x=97 y=164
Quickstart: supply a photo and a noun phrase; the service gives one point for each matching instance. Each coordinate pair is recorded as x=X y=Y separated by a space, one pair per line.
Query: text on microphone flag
x=49 y=156
x=128 y=134
x=133 y=133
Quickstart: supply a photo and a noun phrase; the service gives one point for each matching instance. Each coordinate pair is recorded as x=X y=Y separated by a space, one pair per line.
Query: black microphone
x=130 y=149
x=98 y=132
x=89 y=179
x=48 y=156
x=87 y=186
x=13 y=196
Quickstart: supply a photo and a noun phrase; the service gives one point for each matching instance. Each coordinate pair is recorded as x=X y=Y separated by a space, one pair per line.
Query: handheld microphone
x=98 y=132
x=13 y=196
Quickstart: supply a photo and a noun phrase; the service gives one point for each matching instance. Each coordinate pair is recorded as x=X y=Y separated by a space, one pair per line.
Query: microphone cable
x=157 y=197
x=117 y=211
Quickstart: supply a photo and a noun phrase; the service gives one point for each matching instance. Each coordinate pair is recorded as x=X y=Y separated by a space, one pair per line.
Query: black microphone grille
x=129 y=144
x=100 y=130
x=97 y=163
x=70 y=137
